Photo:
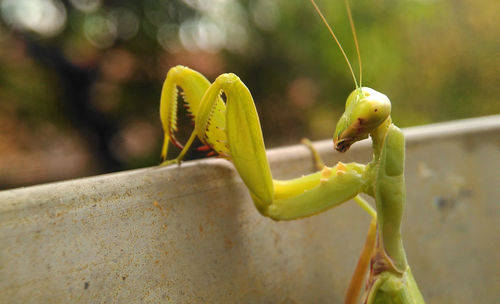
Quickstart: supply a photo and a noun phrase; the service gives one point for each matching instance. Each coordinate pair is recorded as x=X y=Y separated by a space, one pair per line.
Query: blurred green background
x=80 y=79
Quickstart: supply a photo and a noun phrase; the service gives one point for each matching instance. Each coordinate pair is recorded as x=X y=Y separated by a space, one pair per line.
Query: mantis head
x=365 y=110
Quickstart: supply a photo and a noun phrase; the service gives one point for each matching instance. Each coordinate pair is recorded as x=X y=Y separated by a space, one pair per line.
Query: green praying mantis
x=231 y=128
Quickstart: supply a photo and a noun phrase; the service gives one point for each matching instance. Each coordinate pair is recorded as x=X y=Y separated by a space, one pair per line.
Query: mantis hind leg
x=359 y=275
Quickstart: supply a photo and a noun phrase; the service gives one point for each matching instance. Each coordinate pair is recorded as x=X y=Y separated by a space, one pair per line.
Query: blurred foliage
x=81 y=79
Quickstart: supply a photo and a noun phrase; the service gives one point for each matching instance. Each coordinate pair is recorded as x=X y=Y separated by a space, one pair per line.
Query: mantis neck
x=388 y=189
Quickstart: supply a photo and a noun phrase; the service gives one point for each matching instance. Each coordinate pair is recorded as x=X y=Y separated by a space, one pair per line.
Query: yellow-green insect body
x=232 y=129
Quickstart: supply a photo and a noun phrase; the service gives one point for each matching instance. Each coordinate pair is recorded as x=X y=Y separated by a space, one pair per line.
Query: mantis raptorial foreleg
x=233 y=130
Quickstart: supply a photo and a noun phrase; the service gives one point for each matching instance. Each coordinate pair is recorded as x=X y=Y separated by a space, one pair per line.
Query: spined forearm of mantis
x=233 y=131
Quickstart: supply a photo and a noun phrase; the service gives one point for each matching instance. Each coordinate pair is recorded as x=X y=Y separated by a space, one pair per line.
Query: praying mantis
x=231 y=128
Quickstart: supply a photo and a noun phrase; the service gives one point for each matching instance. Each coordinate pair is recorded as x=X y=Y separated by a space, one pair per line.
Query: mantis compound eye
x=365 y=110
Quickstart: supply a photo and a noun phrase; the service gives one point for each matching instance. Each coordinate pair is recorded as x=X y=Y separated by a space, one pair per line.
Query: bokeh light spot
x=44 y=17
x=100 y=31
x=126 y=23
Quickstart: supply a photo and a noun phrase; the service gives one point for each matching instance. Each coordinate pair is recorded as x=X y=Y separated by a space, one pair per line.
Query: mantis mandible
x=233 y=131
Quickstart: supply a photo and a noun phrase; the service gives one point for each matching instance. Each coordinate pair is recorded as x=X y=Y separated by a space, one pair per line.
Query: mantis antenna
x=338 y=42
x=353 y=30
